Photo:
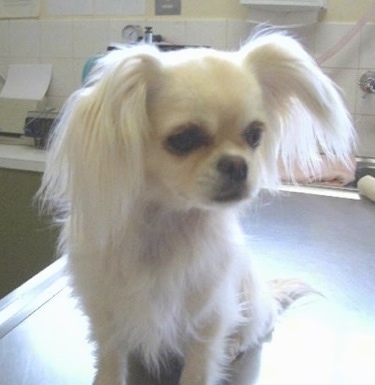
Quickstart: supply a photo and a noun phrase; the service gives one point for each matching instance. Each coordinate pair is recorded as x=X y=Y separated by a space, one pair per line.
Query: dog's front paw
x=246 y=339
x=105 y=377
x=259 y=311
x=111 y=370
x=254 y=332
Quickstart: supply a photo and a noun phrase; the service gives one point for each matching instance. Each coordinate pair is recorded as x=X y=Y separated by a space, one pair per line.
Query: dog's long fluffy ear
x=95 y=158
x=308 y=115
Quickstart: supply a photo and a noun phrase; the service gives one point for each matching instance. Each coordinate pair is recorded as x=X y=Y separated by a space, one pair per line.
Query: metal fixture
x=367 y=82
x=148 y=39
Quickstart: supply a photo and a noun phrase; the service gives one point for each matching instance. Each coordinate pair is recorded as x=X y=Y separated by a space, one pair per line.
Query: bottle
x=148 y=35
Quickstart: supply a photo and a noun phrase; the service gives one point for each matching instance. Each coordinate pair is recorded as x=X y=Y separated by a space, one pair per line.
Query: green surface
x=27 y=240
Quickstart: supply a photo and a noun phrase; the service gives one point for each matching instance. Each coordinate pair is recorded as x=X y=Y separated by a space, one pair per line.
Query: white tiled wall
x=346 y=68
x=67 y=43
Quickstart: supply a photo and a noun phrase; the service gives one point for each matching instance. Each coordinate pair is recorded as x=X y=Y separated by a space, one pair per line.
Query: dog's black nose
x=233 y=167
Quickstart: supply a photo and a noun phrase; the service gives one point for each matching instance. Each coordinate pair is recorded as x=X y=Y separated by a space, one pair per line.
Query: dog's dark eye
x=253 y=133
x=188 y=139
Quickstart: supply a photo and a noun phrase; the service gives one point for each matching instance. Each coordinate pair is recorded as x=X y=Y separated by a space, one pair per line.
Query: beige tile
x=346 y=79
x=24 y=38
x=365 y=125
x=56 y=38
x=4 y=38
x=90 y=37
x=367 y=52
x=327 y=35
x=238 y=32
x=207 y=32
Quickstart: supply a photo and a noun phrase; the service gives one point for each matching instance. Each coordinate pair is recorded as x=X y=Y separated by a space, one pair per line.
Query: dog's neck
x=162 y=232
x=160 y=219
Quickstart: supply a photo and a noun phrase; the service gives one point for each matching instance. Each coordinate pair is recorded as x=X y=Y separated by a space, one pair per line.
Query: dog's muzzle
x=233 y=171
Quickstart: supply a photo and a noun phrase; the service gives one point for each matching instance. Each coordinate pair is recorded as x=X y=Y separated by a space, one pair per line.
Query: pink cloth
x=332 y=173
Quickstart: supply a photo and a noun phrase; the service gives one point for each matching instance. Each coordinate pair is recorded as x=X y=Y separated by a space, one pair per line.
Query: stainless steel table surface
x=327 y=340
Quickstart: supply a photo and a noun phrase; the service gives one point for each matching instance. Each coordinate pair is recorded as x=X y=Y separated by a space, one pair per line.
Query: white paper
x=27 y=81
x=69 y=7
x=123 y=7
x=19 y=8
x=95 y=7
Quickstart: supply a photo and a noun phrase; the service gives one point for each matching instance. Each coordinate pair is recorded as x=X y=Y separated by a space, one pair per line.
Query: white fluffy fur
x=159 y=264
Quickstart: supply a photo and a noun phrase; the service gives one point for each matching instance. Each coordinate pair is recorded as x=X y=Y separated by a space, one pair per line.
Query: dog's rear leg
x=111 y=368
x=287 y=291
x=264 y=305
x=205 y=357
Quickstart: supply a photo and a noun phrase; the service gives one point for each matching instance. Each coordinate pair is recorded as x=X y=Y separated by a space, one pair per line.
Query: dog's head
x=207 y=125
x=193 y=128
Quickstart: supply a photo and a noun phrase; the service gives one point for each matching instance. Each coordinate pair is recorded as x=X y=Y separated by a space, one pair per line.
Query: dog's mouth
x=232 y=193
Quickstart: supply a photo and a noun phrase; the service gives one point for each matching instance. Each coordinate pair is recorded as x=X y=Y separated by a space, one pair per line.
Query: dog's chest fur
x=176 y=270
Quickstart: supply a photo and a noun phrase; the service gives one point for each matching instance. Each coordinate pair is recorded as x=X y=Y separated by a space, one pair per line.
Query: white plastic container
x=285 y=12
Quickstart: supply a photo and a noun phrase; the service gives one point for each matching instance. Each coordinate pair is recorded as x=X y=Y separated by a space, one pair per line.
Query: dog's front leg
x=205 y=356
x=111 y=369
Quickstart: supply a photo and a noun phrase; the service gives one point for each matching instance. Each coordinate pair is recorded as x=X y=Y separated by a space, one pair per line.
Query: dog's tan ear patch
x=306 y=109
x=128 y=81
x=98 y=144
x=285 y=70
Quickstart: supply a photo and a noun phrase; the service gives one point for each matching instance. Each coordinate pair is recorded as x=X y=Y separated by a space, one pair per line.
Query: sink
x=364 y=166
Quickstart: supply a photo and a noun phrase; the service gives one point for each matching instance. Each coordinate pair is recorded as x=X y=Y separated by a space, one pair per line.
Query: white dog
x=149 y=168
